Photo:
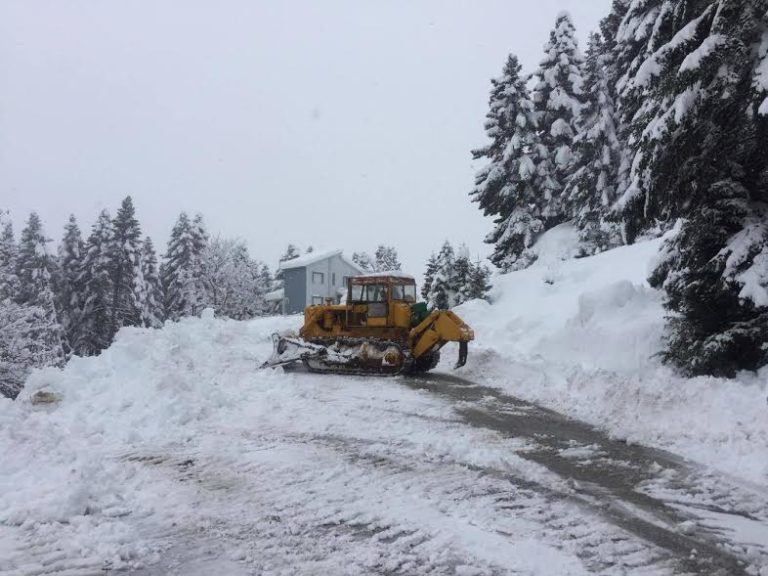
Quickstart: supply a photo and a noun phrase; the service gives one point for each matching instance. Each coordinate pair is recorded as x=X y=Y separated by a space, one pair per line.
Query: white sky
x=336 y=123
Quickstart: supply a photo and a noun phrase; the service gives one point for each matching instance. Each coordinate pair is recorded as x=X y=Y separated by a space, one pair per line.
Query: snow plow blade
x=288 y=350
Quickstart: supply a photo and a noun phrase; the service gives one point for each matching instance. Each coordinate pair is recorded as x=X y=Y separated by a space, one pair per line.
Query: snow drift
x=582 y=336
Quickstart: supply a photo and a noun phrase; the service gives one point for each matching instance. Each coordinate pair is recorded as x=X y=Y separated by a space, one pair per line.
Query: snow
x=749 y=244
x=314 y=257
x=171 y=443
x=708 y=46
x=651 y=67
x=170 y=453
x=275 y=295
x=582 y=336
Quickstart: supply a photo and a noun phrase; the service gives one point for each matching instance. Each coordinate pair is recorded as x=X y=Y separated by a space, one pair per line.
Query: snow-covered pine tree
x=479 y=282
x=94 y=332
x=21 y=346
x=291 y=253
x=151 y=294
x=8 y=251
x=703 y=157
x=235 y=283
x=651 y=32
x=199 y=235
x=33 y=270
x=181 y=270
x=444 y=291
x=429 y=276
x=364 y=261
x=609 y=29
x=386 y=259
x=591 y=189
x=69 y=290
x=125 y=267
x=462 y=274
x=558 y=95
x=509 y=186
x=266 y=282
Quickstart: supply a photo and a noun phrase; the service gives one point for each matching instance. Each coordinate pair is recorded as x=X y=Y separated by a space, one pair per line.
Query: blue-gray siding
x=295 y=289
x=316 y=283
x=333 y=271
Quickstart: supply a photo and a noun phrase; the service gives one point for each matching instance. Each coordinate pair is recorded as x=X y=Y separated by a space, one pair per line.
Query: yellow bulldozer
x=380 y=330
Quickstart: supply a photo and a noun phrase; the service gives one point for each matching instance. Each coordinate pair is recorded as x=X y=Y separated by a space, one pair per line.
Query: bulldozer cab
x=381 y=300
x=381 y=288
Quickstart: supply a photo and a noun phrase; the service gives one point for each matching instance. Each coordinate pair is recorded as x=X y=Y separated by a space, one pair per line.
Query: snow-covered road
x=193 y=463
x=462 y=480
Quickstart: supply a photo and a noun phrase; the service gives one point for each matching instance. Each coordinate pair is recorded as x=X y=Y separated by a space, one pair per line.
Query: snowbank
x=582 y=336
x=64 y=477
x=172 y=441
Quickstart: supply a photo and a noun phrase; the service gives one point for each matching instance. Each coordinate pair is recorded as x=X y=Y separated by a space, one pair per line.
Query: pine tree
x=33 y=270
x=386 y=259
x=703 y=157
x=651 y=33
x=558 y=96
x=8 y=252
x=364 y=261
x=462 y=273
x=151 y=294
x=429 y=276
x=181 y=270
x=199 y=235
x=291 y=253
x=95 y=330
x=69 y=292
x=443 y=290
x=23 y=344
x=591 y=189
x=125 y=267
x=479 y=282
x=510 y=187
x=235 y=283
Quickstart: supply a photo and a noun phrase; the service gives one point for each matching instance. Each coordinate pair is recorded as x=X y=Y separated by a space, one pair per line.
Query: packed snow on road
x=563 y=447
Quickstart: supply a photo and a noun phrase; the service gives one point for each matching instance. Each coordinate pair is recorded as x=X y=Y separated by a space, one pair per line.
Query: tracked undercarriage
x=355 y=356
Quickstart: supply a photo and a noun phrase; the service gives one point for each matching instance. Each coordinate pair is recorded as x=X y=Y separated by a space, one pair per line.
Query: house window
x=333 y=278
x=318 y=278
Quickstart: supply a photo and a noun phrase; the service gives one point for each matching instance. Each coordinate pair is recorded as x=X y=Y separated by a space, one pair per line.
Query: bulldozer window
x=377 y=293
x=406 y=292
x=369 y=293
x=358 y=293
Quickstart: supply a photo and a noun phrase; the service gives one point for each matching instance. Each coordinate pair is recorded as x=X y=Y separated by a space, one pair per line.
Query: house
x=313 y=278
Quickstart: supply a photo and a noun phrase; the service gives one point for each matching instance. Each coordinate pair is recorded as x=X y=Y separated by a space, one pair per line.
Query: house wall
x=334 y=270
x=295 y=286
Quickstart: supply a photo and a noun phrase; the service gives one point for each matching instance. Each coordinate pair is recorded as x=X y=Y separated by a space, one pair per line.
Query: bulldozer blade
x=463 y=353
x=288 y=350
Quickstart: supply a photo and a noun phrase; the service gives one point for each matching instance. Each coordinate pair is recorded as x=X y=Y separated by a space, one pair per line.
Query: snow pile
x=67 y=476
x=582 y=336
x=171 y=442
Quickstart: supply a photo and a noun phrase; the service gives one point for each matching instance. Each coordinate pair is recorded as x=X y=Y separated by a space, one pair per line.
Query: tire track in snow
x=400 y=514
x=624 y=484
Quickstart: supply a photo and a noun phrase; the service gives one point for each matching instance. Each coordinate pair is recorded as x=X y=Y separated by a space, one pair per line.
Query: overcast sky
x=336 y=123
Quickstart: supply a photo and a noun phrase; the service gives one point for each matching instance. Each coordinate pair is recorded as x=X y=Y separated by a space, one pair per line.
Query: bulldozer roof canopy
x=377 y=277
